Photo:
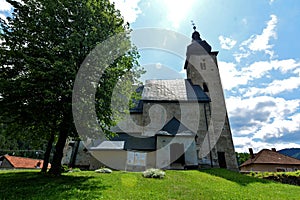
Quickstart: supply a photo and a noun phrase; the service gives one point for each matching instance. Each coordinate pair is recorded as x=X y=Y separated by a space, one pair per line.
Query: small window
x=203 y=66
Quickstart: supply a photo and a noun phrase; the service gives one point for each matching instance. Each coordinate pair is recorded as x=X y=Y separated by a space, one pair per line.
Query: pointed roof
x=174 y=126
x=24 y=163
x=267 y=156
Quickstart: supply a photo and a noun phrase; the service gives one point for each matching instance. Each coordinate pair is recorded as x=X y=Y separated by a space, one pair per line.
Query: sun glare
x=177 y=10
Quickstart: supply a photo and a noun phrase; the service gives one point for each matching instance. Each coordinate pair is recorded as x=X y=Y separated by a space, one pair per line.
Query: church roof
x=174 y=126
x=173 y=90
x=137 y=143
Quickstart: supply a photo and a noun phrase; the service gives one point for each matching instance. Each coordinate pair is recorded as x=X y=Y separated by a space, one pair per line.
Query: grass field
x=206 y=184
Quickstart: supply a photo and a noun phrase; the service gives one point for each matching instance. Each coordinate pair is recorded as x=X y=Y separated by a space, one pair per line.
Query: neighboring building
x=292 y=152
x=75 y=154
x=269 y=161
x=185 y=140
x=14 y=162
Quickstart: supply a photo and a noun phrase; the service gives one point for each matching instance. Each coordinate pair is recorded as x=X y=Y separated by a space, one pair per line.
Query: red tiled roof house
x=269 y=161
x=14 y=162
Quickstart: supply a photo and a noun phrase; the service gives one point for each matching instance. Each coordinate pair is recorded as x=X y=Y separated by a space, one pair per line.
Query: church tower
x=215 y=148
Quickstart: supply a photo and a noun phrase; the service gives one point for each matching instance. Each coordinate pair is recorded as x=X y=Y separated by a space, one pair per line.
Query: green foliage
x=74 y=170
x=18 y=141
x=184 y=184
x=154 y=173
x=242 y=157
x=65 y=168
x=283 y=177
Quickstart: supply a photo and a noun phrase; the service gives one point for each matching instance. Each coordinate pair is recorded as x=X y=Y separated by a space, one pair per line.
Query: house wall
x=6 y=165
x=163 y=154
x=117 y=159
x=84 y=159
x=269 y=167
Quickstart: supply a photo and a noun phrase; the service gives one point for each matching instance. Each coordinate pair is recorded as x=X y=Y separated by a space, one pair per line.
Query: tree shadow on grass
x=241 y=179
x=33 y=185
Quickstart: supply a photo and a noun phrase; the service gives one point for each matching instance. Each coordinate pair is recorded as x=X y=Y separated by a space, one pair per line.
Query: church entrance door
x=177 y=153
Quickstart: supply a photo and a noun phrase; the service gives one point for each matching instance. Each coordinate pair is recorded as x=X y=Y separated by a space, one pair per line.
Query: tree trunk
x=59 y=147
x=47 y=154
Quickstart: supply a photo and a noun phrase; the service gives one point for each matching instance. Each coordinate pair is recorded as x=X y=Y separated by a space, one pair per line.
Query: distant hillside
x=292 y=152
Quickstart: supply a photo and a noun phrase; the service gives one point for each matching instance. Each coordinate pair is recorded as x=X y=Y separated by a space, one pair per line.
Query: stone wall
x=203 y=70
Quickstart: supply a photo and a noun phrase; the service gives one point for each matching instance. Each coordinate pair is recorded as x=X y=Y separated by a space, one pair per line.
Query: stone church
x=177 y=124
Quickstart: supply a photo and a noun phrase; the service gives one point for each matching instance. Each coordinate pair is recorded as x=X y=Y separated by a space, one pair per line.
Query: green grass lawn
x=206 y=184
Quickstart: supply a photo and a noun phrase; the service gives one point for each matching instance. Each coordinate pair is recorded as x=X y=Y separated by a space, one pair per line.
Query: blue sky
x=259 y=59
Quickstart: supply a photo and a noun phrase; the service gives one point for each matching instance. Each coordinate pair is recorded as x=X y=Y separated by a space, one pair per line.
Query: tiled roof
x=267 y=156
x=24 y=163
x=173 y=90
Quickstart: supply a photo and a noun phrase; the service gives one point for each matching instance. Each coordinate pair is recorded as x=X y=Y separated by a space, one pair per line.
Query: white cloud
x=279 y=127
x=276 y=87
x=233 y=77
x=129 y=9
x=263 y=118
x=226 y=43
x=230 y=76
x=238 y=56
x=5 y=6
x=2 y=16
x=259 y=42
x=244 y=143
x=285 y=65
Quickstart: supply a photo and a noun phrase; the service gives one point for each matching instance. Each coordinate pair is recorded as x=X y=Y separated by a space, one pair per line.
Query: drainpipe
x=210 y=154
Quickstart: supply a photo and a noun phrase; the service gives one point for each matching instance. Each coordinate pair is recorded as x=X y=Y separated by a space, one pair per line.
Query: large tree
x=43 y=45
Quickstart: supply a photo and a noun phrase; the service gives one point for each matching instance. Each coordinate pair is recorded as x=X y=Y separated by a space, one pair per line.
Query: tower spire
x=194 y=25
x=196 y=34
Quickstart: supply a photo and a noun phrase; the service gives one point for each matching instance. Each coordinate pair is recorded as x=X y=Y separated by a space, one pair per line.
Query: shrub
x=154 y=173
x=74 y=170
x=64 y=168
x=103 y=170
x=252 y=173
